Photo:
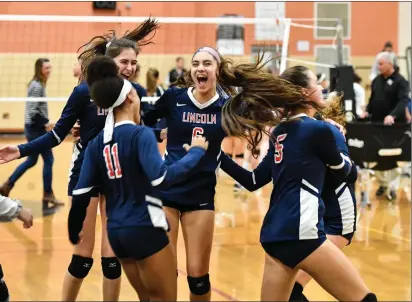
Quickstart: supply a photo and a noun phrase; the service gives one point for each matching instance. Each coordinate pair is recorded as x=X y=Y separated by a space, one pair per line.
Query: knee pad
x=371 y=297
x=80 y=266
x=199 y=285
x=111 y=267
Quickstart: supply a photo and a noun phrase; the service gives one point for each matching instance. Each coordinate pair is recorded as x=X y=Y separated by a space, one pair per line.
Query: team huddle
x=143 y=197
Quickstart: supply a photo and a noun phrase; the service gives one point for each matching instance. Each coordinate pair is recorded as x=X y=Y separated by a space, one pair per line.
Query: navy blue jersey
x=145 y=107
x=79 y=107
x=141 y=91
x=185 y=118
x=297 y=164
x=127 y=169
x=339 y=196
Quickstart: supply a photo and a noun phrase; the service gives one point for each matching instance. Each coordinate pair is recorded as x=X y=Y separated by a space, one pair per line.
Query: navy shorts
x=189 y=207
x=137 y=242
x=330 y=230
x=75 y=166
x=293 y=252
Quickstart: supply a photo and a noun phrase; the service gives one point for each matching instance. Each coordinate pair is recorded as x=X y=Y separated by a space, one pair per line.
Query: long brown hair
x=264 y=100
x=108 y=44
x=334 y=110
x=151 y=80
x=38 y=74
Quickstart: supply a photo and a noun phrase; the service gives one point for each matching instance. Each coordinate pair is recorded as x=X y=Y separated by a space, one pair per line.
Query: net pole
x=285 y=46
x=339 y=39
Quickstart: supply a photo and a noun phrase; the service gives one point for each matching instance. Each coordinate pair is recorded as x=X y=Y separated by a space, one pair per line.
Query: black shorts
x=189 y=207
x=330 y=230
x=291 y=253
x=137 y=242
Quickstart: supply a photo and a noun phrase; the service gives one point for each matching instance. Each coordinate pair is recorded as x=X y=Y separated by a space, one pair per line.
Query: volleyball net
x=25 y=38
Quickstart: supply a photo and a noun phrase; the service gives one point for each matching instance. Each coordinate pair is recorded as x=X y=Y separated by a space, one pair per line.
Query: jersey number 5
x=197 y=131
x=113 y=171
x=279 y=148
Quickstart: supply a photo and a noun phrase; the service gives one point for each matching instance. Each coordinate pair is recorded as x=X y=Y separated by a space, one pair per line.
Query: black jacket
x=174 y=75
x=389 y=97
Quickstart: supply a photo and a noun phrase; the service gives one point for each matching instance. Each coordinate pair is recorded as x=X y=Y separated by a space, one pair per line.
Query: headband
x=109 y=125
x=321 y=78
x=213 y=52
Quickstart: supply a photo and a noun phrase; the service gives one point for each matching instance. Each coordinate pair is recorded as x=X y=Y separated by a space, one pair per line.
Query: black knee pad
x=111 y=267
x=199 y=285
x=80 y=266
x=371 y=297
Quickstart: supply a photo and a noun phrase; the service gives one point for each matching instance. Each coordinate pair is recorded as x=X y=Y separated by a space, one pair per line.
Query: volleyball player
x=340 y=202
x=155 y=89
x=292 y=233
x=193 y=109
x=124 y=160
x=80 y=107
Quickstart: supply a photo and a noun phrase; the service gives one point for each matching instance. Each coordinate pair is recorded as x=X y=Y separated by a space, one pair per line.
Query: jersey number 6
x=279 y=148
x=197 y=131
x=113 y=171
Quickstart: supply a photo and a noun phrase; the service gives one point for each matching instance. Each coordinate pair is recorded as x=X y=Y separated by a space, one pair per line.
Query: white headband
x=109 y=125
x=322 y=78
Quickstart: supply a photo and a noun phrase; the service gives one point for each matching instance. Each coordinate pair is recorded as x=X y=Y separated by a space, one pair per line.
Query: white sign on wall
x=230 y=38
x=303 y=45
x=269 y=10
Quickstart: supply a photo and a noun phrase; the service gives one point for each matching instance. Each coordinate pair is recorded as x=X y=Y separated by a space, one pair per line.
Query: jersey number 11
x=113 y=171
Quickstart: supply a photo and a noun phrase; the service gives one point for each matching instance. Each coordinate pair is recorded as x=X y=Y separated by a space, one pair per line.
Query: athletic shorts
x=331 y=230
x=137 y=242
x=293 y=252
x=188 y=207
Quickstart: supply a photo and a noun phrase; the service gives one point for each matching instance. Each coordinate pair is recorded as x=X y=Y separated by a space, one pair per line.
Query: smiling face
x=203 y=72
x=126 y=61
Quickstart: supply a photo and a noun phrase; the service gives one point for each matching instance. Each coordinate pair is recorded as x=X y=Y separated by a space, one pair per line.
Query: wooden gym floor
x=35 y=260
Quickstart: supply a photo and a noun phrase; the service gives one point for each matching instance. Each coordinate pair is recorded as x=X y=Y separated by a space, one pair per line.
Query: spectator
x=387 y=104
x=359 y=95
x=388 y=47
x=176 y=72
x=154 y=88
x=36 y=124
x=408 y=111
x=389 y=95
